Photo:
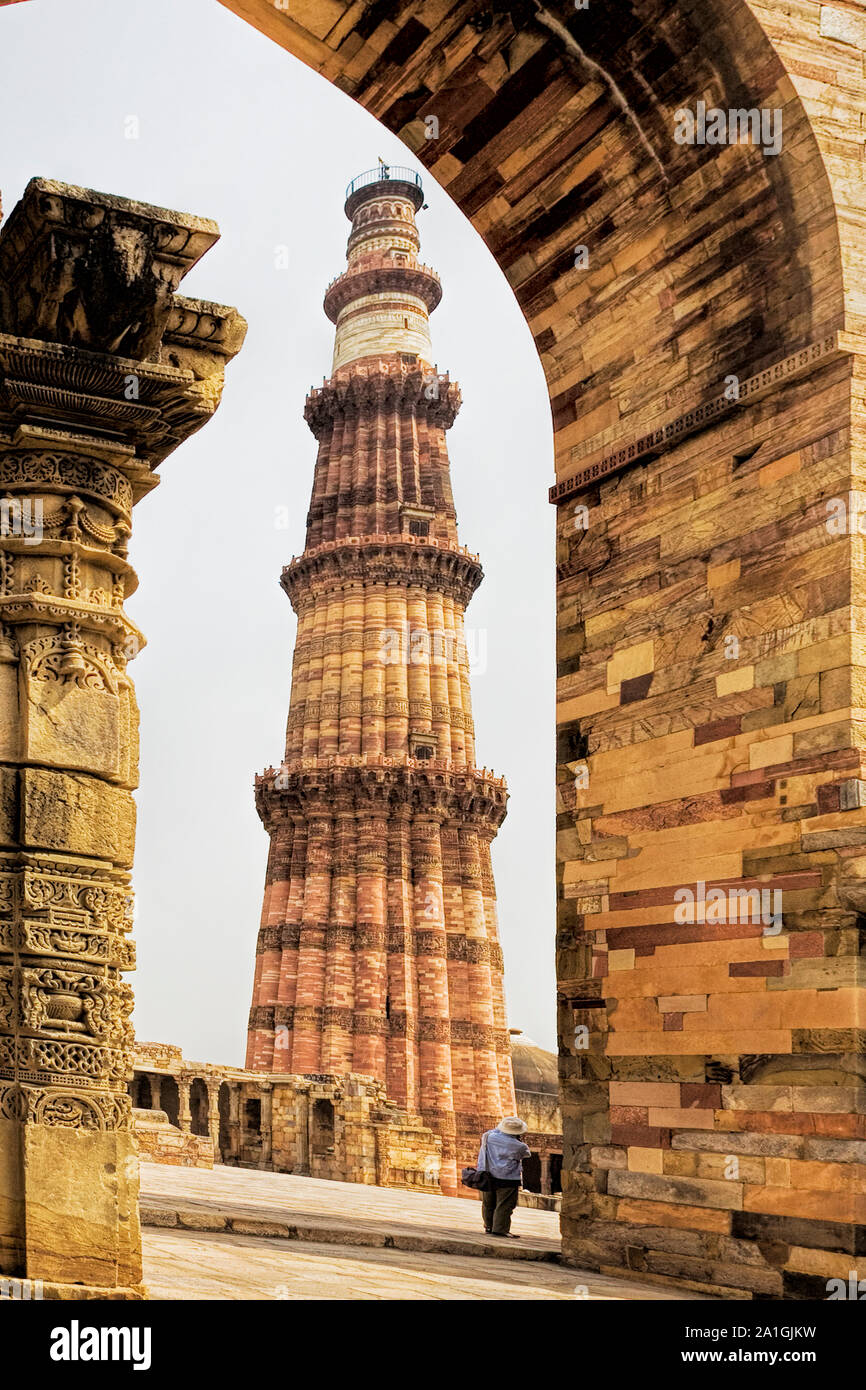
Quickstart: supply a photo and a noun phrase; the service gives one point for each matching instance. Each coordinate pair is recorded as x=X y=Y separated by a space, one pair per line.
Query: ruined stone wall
x=374 y=1141
x=160 y=1142
x=408 y=1155
x=339 y=1127
x=542 y=1114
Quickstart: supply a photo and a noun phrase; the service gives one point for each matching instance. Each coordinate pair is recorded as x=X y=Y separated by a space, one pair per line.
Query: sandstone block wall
x=712 y=1081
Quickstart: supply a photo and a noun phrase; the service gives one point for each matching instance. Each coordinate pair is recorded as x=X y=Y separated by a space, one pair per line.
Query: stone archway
x=696 y=313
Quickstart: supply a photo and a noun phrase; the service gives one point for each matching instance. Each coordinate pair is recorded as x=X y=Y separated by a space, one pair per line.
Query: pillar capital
x=94 y=338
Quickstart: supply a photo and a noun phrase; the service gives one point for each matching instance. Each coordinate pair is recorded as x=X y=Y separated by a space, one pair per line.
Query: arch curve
x=556 y=130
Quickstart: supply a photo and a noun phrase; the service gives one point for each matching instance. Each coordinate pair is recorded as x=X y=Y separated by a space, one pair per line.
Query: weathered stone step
x=323 y=1232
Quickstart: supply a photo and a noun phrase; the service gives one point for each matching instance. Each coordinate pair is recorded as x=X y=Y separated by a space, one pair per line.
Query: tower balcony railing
x=332 y=761
x=381 y=367
x=382 y=260
x=384 y=538
x=399 y=173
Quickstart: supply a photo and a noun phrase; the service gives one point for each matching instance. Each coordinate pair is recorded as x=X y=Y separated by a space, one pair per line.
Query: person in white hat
x=501 y=1157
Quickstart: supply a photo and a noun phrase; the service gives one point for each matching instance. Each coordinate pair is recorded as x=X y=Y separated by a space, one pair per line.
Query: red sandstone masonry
x=378 y=951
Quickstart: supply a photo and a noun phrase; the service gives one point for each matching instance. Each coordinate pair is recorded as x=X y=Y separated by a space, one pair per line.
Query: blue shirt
x=505 y=1155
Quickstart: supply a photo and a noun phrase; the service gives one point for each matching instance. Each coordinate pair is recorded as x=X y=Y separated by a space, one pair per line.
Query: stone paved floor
x=373 y=1211
x=217 y=1264
x=196 y=1265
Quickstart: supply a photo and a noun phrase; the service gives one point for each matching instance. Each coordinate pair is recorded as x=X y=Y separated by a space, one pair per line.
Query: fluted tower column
x=378 y=947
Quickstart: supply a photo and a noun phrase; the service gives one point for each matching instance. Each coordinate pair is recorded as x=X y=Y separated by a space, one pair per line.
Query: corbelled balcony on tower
x=378 y=950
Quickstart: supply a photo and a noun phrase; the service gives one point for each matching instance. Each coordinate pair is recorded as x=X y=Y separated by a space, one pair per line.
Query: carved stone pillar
x=235 y=1135
x=184 y=1113
x=213 y=1115
x=104 y=370
x=155 y=1092
x=267 y=1132
x=545 y=1173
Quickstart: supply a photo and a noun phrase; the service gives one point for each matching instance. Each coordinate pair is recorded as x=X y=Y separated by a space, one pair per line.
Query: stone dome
x=534 y=1068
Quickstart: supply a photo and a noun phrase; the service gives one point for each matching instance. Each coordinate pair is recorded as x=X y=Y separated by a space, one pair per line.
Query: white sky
x=233 y=128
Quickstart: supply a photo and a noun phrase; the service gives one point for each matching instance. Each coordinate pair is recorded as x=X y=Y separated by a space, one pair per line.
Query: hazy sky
x=231 y=127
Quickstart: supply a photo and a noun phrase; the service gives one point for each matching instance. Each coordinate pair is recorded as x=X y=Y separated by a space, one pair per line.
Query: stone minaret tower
x=378 y=950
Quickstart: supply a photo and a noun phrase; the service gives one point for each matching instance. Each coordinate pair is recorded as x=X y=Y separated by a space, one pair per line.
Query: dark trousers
x=497 y=1205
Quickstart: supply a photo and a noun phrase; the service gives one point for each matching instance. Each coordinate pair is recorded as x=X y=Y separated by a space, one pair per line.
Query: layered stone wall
x=709 y=924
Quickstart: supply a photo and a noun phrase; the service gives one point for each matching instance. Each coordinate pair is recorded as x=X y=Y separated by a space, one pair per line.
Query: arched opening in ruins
x=198 y=1106
x=322 y=1128
x=226 y=1146
x=140 y=1091
x=555 y=1172
x=169 y=1099
x=532 y=1173
x=251 y=1130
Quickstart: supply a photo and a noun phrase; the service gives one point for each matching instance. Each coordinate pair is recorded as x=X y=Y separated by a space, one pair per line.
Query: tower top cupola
x=382 y=301
x=390 y=179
